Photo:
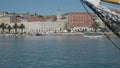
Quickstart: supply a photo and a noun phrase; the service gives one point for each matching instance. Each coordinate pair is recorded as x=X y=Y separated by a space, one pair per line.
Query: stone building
x=5 y=19
x=78 y=21
x=49 y=24
x=59 y=16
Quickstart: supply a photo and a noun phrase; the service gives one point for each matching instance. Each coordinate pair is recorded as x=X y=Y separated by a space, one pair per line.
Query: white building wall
x=5 y=20
x=43 y=27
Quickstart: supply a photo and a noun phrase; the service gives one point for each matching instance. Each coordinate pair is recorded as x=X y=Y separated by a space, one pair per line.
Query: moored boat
x=92 y=35
x=38 y=34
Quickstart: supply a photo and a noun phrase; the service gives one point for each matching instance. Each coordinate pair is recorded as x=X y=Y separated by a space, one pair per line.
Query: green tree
x=9 y=28
x=22 y=27
x=3 y=26
x=15 y=26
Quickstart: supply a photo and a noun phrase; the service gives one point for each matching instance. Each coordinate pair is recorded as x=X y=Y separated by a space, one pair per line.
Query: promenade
x=81 y=34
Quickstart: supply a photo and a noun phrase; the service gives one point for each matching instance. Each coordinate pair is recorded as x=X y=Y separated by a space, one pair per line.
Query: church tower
x=59 y=15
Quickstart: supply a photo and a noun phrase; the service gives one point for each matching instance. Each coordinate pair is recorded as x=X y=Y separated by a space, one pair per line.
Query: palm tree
x=9 y=28
x=22 y=27
x=15 y=26
x=3 y=26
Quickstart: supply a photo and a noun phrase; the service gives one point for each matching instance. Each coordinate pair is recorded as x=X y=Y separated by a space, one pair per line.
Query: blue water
x=58 y=52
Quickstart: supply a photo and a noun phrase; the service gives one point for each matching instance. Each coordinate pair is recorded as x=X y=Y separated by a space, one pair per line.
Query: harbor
x=65 y=51
x=60 y=34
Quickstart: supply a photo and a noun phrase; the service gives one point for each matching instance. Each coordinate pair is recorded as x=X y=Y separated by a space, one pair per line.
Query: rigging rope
x=82 y=2
x=115 y=7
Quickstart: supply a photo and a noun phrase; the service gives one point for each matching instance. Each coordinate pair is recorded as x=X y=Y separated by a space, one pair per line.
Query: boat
x=92 y=35
x=38 y=34
x=110 y=19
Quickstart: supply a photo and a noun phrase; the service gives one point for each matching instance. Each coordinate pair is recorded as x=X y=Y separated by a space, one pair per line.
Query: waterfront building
x=36 y=19
x=1 y=14
x=35 y=23
x=24 y=17
x=15 y=20
x=5 y=19
x=42 y=27
x=79 y=21
x=50 y=18
x=40 y=24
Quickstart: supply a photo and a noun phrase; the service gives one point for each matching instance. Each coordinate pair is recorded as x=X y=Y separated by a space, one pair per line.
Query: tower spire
x=58 y=15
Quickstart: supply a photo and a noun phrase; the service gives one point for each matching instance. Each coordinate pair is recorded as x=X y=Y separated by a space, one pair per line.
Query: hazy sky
x=43 y=7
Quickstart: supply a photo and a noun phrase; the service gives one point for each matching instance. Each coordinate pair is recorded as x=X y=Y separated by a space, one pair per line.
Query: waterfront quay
x=91 y=35
x=48 y=34
x=71 y=23
x=33 y=24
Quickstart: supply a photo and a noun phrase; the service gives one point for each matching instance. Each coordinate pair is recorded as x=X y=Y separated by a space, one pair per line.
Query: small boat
x=92 y=35
x=38 y=34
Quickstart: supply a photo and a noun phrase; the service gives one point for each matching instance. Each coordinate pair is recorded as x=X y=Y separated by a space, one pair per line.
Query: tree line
x=4 y=27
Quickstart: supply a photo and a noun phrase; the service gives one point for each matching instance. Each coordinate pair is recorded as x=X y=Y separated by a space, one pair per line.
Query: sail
x=94 y=2
x=113 y=1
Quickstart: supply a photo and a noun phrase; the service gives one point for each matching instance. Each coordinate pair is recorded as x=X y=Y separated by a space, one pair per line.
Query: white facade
x=59 y=15
x=2 y=14
x=5 y=20
x=80 y=29
x=43 y=27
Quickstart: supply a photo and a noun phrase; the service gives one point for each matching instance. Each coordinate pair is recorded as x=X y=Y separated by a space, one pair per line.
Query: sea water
x=58 y=52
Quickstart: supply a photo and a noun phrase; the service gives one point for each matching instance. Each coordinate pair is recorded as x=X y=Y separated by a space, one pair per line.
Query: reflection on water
x=58 y=52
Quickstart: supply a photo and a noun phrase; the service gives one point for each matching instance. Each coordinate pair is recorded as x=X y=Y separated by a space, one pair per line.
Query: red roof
x=15 y=21
x=36 y=19
x=78 y=13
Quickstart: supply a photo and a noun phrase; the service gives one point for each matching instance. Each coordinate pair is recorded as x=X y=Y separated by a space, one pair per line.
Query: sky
x=41 y=7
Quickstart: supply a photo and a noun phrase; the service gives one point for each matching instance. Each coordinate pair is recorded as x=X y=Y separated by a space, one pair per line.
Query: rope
x=82 y=2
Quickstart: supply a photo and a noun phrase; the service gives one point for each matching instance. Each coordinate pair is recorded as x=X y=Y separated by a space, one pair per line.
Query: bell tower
x=59 y=15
